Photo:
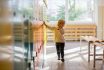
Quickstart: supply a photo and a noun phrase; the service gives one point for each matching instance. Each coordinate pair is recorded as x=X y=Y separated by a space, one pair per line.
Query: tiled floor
x=73 y=59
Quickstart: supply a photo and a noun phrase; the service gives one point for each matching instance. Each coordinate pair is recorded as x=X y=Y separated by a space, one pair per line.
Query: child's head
x=61 y=23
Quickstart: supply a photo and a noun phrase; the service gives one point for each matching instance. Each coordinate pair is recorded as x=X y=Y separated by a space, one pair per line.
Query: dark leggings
x=26 y=46
x=60 y=49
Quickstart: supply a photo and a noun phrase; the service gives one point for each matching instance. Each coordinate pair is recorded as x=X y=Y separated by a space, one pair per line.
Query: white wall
x=100 y=16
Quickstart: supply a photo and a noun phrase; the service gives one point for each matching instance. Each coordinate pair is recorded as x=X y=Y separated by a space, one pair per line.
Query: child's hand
x=44 y=23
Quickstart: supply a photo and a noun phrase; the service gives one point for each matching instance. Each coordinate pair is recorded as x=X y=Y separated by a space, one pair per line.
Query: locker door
x=6 y=38
x=6 y=50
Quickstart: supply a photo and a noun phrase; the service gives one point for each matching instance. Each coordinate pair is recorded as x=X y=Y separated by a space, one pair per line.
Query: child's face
x=61 y=25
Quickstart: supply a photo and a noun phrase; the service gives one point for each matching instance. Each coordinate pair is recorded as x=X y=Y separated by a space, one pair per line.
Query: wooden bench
x=95 y=43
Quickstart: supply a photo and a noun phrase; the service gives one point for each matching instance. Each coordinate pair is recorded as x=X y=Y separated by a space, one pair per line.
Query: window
x=22 y=7
x=56 y=9
x=80 y=10
x=77 y=10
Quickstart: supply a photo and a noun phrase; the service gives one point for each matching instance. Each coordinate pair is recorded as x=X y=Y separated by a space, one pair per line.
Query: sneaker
x=62 y=60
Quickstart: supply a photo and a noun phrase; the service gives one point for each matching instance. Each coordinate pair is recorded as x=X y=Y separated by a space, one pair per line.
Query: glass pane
x=22 y=8
x=56 y=10
x=80 y=10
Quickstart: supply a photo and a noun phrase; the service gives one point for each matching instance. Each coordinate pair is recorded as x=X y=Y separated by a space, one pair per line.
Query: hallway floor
x=74 y=60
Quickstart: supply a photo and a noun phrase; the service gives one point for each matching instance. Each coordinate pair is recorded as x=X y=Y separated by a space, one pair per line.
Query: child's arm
x=49 y=27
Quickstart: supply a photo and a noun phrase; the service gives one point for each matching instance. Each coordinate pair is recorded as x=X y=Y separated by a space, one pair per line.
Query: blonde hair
x=61 y=21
